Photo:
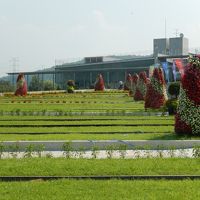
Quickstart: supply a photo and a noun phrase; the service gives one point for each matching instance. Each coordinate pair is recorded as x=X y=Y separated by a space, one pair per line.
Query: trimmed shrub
x=99 y=84
x=174 y=89
x=171 y=106
x=188 y=110
x=135 y=78
x=156 y=95
x=141 y=87
x=128 y=83
x=70 y=86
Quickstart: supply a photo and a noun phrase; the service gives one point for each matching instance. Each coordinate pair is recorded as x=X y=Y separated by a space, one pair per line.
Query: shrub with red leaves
x=135 y=78
x=141 y=87
x=187 y=119
x=128 y=82
x=99 y=84
x=181 y=127
x=156 y=90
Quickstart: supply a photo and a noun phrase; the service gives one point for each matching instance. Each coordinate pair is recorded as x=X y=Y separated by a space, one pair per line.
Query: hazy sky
x=38 y=32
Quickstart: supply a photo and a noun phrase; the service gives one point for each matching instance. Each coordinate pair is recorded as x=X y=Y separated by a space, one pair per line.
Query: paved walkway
x=103 y=144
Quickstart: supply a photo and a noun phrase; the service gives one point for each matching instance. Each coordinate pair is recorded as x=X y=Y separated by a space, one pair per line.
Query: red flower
x=181 y=127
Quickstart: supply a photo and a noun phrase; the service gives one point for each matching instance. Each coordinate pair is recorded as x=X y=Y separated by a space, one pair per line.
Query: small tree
x=48 y=85
x=6 y=86
x=35 y=84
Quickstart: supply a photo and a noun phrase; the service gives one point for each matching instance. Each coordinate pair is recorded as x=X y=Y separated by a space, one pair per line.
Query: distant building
x=177 y=46
x=112 y=68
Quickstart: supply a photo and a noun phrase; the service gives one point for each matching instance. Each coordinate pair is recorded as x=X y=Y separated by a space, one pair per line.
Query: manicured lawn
x=75 y=167
x=93 y=122
x=101 y=190
x=93 y=136
x=77 y=118
x=90 y=129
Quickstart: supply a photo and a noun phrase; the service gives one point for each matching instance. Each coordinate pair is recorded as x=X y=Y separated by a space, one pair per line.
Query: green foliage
x=29 y=151
x=174 y=89
x=196 y=151
x=77 y=167
x=6 y=86
x=122 y=150
x=35 y=84
x=95 y=151
x=48 y=85
x=110 y=150
x=39 y=149
x=67 y=148
x=2 y=149
x=171 y=106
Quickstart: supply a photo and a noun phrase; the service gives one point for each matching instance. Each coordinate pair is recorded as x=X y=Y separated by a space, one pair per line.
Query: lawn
x=93 y=136
x=76 y=167
x=90 y=190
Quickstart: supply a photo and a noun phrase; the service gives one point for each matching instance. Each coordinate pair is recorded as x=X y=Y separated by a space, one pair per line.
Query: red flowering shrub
x=156 y=95
x=135 y=78
x=187 y=119
x=99 y=84
x=128 y=82
x=181 y=127
x=141 y=87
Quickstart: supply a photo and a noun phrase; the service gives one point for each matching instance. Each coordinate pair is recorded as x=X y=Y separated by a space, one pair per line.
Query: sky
x=36 y=34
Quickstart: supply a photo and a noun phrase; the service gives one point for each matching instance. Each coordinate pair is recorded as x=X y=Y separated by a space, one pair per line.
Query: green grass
x=101 y=190
x=76 y=167
x=89 y=122
x=90 y=129
x=157 y=118
x=93 y=136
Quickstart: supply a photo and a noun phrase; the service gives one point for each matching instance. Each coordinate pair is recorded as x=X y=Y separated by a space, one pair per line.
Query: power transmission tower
x=14 y=63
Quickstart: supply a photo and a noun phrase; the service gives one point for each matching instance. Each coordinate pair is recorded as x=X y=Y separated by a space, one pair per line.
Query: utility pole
x=14 y=64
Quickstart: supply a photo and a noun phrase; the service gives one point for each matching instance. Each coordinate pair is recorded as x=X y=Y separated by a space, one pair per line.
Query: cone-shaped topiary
x=156 y=95
x=128 y=82
x=99 y=84
x=21 y=86
x=135 y=79
x=187 y=120
x=141 y=87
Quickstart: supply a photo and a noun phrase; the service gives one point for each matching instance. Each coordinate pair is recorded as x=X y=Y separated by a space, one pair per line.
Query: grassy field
x=81 y=127
x=76 y=167
x=90 y=190
x=21 y=124
x=93 y=136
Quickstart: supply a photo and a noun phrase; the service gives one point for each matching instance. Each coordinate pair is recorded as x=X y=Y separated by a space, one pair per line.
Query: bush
x=35 y=84
x=70 y=86
x=48 y=85
x=174 y=89
x=171 y=106
x=6 y=86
